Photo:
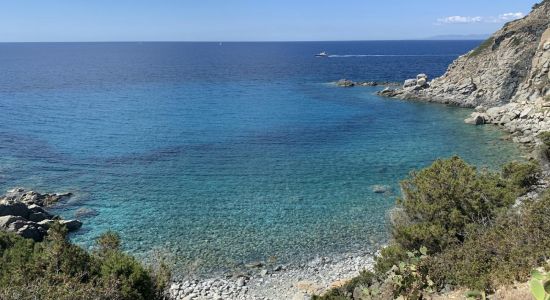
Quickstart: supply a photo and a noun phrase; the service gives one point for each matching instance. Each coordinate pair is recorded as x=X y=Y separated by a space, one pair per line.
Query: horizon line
x=246 y=41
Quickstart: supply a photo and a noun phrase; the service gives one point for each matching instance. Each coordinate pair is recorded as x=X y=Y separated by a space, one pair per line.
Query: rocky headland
x=506 y=79
x=351 y=83
x=24 y=213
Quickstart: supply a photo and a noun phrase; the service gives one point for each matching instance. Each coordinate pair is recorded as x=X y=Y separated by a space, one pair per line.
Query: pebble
x=281 y=282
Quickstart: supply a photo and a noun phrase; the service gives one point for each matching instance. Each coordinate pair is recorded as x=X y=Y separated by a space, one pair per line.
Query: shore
x=278 y=283
x=313 y=278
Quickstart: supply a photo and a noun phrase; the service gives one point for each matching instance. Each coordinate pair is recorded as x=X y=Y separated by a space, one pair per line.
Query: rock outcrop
x=508 y=76
x=509 y=66
x=350 y=83
x=23 y=213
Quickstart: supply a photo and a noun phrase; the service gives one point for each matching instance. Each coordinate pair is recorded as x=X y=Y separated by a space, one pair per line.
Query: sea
x=218 y=154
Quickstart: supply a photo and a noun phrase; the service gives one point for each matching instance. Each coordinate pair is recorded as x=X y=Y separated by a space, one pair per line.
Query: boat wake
x=391 y=55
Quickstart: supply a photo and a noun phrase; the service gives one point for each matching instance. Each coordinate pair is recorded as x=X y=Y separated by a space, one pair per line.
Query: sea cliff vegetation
x=57 y=269
x=457 y=227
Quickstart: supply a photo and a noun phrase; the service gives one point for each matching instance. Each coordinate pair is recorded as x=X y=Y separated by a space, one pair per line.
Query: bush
x=389 y=256
x=545 y=147
x=522 y=175
x=502 y=254
x=475 y=236
x=445 y=199
x=57 y=269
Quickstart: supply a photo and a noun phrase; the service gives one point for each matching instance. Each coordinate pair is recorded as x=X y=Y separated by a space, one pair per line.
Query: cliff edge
x=511 y=65
x=506 y=78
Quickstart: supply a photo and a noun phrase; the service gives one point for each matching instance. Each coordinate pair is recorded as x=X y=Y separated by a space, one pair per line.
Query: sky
x=250 y=20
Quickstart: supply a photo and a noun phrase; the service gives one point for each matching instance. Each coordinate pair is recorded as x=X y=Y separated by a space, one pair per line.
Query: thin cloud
x=479 y=19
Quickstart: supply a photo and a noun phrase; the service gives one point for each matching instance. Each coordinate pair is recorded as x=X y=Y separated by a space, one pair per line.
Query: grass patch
x=481 y=48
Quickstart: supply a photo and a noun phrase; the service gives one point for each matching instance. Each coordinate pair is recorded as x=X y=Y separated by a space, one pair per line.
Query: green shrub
x=409 y=278
x=444 y=200
x=389 y=257
x=57 y=269
x=365 y=279
x=522 y=175
x=501 y=254
x=545 y=147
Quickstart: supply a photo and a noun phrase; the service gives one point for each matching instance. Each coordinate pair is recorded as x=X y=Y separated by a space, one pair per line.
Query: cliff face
x=512 y=65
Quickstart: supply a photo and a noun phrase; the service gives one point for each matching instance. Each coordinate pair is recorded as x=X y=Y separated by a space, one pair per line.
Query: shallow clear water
x=224 y=154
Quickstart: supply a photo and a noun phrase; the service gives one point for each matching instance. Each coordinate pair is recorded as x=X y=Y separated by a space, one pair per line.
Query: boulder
x=480 y=108
x=72 y=225
x=84 y=212
x=526 y=112
x=422 y=76
x=388 y=92
x=421 y=82
x=45 y=223
x=409 y=83
x=475 y=119
x=345 y=83
x=14 y=209
x=32 y=231
x=38 y=216
x=5 y=221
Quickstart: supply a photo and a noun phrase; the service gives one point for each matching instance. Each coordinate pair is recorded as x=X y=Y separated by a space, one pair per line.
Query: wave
x=392 y=55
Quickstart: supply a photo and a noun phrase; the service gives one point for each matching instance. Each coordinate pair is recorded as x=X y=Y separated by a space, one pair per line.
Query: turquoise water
x=221 y=156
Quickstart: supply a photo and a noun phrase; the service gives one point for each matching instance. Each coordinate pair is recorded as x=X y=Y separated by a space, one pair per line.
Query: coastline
x=277 y=283
x=319 y=275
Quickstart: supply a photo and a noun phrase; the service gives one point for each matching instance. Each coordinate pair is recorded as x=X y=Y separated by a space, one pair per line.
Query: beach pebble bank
x=279 y=282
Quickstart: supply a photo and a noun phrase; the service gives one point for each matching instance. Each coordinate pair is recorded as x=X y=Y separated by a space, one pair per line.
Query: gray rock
x=72 y=225
x=38 y=216
x=421 y=82
x=14 y=209
x=5 y=221
x=422 y=76
x=475 y=120
x=409 y=83
x=345 y=83
x=380 y=188
x=84 y=212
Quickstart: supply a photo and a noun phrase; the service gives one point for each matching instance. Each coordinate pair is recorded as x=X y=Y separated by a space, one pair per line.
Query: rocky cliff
x=507 y=78
x=512 y=64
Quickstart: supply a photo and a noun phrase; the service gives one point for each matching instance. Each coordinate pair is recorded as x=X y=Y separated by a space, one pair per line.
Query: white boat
x=322 y=54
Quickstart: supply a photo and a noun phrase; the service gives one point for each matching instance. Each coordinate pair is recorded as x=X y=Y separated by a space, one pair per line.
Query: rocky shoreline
x=349 y=83
x=23 y=212
x=507 y=79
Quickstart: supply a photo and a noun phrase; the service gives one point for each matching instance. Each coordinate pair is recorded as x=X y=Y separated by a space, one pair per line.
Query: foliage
x=540 y=285
x=522 y=175
x=364 y=280
x=57 y=269
x=389 y=257
x=466 y=219
x=445 y=199
x=410 y=278
x=501 y=254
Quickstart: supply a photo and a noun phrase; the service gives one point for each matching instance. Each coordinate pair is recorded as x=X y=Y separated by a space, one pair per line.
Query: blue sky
x=249 y=20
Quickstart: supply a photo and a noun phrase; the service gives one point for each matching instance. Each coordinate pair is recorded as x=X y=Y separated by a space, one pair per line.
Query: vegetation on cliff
x=456 y=226
x=57 y=269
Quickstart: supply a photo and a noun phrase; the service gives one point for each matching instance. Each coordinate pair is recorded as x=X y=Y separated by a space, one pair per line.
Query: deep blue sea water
x=221 y=154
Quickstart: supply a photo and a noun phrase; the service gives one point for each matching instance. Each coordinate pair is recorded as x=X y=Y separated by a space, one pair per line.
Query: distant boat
x=322 y=54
